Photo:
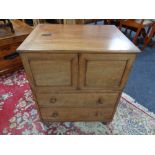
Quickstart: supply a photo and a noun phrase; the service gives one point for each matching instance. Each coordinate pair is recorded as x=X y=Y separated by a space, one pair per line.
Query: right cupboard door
x=104 y=71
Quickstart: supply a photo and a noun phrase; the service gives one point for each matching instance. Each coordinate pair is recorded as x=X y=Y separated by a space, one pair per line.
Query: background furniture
x=81 y=21
x=35 y=22
x=78 y=72
x=141 y=27
x=136 y=25
x=115 y=22
x=6 y=23
x=9 y=59
x=149 y=36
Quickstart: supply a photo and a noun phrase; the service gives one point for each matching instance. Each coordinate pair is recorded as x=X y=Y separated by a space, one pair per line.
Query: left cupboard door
x=48 y=71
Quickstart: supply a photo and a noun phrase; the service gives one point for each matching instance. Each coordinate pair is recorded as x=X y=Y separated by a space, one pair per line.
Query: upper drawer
x=104 y=71
x=51 y=71
x=105 y=100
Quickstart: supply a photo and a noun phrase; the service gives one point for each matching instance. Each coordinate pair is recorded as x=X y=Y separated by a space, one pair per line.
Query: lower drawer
x=76 y=114
x=105 y=100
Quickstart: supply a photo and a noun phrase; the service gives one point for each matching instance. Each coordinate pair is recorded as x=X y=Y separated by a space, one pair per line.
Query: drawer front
x=76 y=114
x=8 y=60
x=104 y=71
x=52 y=71
x=106 y=100
x=8 y=48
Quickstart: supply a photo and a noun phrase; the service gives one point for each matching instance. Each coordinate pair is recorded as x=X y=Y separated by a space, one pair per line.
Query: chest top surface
x=74 y=38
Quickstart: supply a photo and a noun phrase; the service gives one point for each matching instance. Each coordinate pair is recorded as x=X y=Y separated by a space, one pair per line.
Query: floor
x=141 y=82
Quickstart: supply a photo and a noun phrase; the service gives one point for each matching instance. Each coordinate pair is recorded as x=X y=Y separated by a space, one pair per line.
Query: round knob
x=100 y=101
x=53 y=100
x=55 y=114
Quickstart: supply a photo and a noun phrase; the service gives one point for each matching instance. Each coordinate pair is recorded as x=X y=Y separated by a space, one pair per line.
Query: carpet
x=18 y=114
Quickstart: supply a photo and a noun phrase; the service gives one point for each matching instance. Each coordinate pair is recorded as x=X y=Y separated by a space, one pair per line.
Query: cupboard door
x=104 y=71
x=52 y=71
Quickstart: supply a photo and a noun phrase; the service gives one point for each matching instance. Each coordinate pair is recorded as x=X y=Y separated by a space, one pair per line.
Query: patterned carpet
x=18 y=114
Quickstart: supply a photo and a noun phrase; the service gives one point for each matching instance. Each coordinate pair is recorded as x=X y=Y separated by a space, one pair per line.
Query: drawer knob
x=100 y=101
x=54 y=114
x=53 y=100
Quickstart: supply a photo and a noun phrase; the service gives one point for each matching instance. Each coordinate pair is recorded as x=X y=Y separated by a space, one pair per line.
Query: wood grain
x=77 y=99
x=73 y=38
x=104 y=71
x=76 y=114
x=5 y=51
x=53 y=71
x=48 y=73
x=22 y=30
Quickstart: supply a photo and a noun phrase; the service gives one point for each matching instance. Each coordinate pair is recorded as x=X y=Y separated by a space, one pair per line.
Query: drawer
x=105 y=100
x=6 y=64
x=7 y=49
x=104 y=71
x=7 y=60
x=76 y=114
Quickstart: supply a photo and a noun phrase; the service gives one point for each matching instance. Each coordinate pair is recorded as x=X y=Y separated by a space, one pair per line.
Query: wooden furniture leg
x=136 y=36
x=148 y=38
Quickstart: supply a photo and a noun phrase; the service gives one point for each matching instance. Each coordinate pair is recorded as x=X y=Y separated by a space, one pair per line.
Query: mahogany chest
x=9 y=58
x=77 y=72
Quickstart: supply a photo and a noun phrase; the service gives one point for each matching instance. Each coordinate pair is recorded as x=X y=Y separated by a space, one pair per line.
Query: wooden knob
x=53 y=100
x=100 y=101
x=54 y=114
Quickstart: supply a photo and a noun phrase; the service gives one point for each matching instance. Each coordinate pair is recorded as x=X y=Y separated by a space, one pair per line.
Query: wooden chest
x=77 y=72
x=9 y=59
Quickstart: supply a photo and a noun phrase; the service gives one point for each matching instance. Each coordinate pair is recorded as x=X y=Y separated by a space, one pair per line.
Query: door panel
x=104 y=71
x=52 y=71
